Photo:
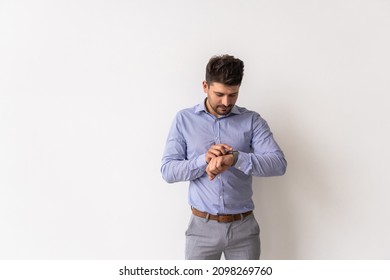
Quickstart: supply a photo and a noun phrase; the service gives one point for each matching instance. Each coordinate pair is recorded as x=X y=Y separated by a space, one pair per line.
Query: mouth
x=224 y=108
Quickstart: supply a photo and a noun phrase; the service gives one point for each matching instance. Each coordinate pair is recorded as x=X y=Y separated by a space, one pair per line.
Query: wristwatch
x=235 y=156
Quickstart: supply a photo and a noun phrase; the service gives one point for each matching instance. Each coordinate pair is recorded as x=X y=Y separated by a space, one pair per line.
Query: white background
x=88 y=90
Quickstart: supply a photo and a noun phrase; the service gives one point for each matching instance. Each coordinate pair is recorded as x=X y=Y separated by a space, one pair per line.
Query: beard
x=221 y=109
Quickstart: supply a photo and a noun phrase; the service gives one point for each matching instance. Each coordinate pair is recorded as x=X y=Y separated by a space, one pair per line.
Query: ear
x=205 y=87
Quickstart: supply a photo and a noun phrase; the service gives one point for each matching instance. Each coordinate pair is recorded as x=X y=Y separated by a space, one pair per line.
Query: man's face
x=220 y=98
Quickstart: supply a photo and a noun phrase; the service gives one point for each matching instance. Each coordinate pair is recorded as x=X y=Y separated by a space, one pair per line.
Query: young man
x=218 y=146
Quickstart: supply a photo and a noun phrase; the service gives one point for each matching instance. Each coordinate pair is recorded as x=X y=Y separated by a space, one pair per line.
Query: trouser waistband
x=223 y=218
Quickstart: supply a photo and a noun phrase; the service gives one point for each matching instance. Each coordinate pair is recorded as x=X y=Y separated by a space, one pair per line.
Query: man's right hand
x=217 y=150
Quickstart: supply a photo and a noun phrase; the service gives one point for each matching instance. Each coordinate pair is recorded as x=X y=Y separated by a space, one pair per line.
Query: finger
x=212 y=167
x=210 y=175
x=209 y=156
x=227 y=147
x=216 y=152
x=222 y=148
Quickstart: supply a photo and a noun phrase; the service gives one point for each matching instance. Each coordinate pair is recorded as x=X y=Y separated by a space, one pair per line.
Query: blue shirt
x=194 y=131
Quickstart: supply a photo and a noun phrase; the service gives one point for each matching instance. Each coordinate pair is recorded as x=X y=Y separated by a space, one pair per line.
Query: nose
x=225 y=100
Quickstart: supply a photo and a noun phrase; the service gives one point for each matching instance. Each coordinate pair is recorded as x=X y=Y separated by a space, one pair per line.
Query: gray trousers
x=207 y=239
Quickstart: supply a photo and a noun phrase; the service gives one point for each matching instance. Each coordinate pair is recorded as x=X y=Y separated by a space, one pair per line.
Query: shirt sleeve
x=266 y=158
x=176 y=167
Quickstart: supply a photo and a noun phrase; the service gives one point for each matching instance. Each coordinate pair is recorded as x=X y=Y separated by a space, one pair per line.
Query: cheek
x=233 y=100
x=216 y=101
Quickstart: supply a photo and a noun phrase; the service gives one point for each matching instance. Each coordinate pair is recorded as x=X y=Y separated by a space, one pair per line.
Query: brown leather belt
x=222 y=218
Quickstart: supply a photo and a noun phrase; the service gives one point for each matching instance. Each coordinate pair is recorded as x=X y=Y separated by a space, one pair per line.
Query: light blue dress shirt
x=194 y=131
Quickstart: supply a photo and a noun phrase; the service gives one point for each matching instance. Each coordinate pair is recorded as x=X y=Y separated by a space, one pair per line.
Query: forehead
x=225 y=89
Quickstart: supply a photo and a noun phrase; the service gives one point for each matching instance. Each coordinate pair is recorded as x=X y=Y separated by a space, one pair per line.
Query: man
x=218 y=147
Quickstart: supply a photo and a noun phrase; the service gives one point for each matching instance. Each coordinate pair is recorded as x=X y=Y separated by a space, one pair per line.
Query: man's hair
x=225 y=69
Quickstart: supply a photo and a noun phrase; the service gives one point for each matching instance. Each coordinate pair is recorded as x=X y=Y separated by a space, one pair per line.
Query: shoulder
x=252 y=118
x=188 y=112
x=186 y=115
x=247 y=113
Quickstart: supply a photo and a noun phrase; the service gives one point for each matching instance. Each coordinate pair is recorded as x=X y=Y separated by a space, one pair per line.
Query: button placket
x=217 y=137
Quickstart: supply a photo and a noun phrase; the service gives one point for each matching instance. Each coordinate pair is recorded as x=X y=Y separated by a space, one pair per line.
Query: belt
x=221 y=218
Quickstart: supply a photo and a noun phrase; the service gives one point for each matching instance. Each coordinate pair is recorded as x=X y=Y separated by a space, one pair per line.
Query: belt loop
x=242 y=216
x=218 y=217
x=207 y=217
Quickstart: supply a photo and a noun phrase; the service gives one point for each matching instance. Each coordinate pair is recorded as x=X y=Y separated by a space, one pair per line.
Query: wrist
x=235 y=156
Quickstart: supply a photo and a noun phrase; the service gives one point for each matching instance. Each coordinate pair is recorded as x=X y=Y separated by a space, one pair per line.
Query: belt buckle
x=225 y=215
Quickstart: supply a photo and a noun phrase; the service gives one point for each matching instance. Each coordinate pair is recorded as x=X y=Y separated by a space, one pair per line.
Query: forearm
x=178 y=170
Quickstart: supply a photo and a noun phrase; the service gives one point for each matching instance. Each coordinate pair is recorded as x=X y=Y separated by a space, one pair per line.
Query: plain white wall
x=88 y=90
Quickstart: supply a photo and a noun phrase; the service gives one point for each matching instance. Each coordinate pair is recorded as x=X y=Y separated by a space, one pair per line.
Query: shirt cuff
x=240 y=161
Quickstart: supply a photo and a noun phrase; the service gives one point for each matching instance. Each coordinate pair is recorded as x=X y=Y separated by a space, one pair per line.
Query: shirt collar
x=202 y=107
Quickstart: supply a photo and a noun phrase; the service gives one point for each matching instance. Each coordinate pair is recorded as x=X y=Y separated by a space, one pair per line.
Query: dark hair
x=225 y=69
